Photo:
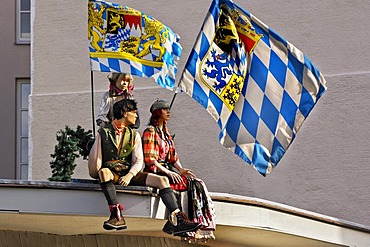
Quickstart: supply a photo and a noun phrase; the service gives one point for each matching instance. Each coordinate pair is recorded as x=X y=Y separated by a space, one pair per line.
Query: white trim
x=354 y=73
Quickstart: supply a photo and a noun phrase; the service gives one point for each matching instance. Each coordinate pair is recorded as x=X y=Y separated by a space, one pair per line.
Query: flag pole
x=92 y=101
x=173 y=99
x=176 y=91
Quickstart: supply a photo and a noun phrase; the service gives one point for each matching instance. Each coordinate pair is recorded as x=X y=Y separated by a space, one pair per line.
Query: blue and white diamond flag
x=257 y=86
x=125 y=40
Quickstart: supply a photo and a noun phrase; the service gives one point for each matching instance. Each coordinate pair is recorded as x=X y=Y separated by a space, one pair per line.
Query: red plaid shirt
x=157 y=148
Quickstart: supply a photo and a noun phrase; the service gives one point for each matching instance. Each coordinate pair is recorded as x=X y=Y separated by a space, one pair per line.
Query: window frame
x=18 y=24
x=19 y=135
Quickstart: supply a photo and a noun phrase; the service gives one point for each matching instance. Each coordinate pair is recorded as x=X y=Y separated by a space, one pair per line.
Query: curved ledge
x=244 y=200
x=241 y=220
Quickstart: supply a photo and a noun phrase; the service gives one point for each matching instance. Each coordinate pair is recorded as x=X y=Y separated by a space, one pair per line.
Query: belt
x=120 y=167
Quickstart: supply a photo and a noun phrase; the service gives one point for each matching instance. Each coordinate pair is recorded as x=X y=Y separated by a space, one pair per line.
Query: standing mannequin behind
x=120 y=87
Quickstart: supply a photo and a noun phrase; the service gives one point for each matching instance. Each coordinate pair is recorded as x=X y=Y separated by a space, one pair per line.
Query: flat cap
x=159 y=104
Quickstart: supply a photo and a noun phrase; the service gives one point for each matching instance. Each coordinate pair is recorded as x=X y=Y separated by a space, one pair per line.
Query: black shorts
x=139 y=179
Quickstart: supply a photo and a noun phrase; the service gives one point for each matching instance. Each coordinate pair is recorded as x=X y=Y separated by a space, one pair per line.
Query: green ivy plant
x=71 y=144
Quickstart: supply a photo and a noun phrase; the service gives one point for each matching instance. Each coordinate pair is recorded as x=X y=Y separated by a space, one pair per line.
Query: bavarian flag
x=257 y=86
x=122 y=39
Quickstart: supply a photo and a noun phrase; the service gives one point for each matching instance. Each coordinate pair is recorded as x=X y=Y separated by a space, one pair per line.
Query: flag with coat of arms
x=122 y=39
x=256 y=85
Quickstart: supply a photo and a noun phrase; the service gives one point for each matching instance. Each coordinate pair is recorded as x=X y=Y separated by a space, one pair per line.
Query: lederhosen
x=120 y=162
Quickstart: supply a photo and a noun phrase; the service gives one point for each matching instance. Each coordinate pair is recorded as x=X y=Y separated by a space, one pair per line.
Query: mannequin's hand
x=125 y=180
x=187 y=173
x=176 y=178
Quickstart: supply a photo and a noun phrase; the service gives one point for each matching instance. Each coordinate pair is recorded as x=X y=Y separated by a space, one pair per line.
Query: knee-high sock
x=168 y=199
x=109 y=192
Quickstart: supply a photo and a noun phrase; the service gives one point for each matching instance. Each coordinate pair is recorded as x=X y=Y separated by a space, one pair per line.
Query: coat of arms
x=224 y=67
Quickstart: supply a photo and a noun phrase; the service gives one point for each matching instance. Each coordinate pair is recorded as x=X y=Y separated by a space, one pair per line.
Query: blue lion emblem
x=220 y=69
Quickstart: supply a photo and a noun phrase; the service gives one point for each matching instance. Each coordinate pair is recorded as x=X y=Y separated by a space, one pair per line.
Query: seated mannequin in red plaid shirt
x=159 y=149
x=160 y=157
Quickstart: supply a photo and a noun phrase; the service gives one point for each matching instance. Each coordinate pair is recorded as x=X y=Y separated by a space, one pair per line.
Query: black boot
x=116 y=220
x=183 y=224
x=168 y=227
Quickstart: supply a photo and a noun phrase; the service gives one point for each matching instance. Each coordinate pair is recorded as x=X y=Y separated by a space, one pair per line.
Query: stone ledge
x=54 y=205
x=76 y=184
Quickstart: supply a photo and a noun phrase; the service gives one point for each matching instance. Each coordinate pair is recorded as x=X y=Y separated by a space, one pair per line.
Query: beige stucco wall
x=326 y=168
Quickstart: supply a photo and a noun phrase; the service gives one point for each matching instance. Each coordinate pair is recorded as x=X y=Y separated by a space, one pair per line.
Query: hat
x=113 y=76
x=159 y=104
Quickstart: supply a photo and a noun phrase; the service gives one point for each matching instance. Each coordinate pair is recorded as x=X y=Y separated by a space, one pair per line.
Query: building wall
x=326 y=168
x=14 y=64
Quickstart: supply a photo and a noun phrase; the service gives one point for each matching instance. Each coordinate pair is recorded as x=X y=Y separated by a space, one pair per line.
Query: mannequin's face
x=165 y=114
x=130 y=117
x=123 y=82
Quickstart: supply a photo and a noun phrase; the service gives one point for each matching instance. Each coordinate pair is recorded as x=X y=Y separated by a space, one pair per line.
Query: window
x=23 y=21
x=24 y=89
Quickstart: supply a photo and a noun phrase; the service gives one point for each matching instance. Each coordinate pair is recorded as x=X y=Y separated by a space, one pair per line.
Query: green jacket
x=110 y=153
